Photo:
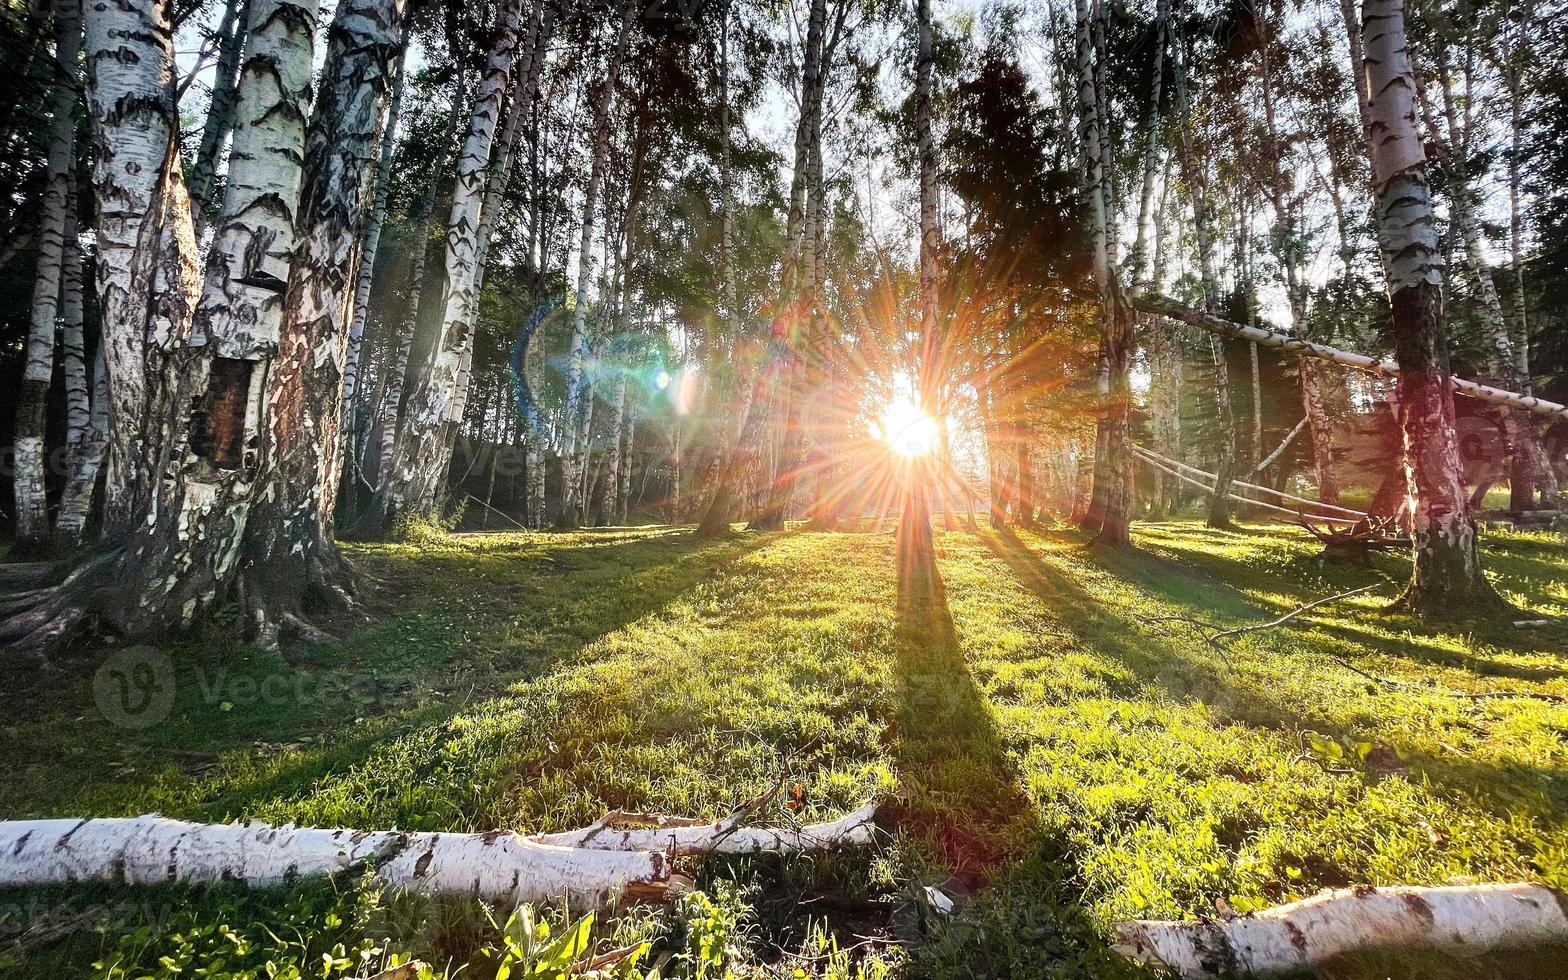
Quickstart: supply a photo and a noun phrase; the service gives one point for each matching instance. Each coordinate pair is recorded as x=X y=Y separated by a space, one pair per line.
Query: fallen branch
x=1242 y=630
x=1279 y=450
x=1305 y=935
x=619 y=831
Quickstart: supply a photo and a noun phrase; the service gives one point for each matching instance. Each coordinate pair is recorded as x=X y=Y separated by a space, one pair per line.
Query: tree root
x=1303 y=936
x=594 y=866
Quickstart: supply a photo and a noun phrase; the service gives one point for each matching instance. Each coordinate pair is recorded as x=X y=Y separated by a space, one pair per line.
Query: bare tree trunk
x=623 y=490
x=1108 y=515
x=392 y=397
x=579 y=398
x=797 y=322
x=220 y=113
x=914 y=532
x=352 y=364
x=296 y=562
x=1447 y=577
x=1524 y=451
x=32 y=506
x=1193 y=176
x=417 y=471
x=1138 y=259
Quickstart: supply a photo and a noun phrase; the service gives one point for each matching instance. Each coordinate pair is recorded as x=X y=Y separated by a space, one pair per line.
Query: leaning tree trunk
x=221 y=104
x=525 y=84
x=1447 y=577
x=578 y=397
x=32 y=507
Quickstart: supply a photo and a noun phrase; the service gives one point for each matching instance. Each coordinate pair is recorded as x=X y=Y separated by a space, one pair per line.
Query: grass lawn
x=1055 y=750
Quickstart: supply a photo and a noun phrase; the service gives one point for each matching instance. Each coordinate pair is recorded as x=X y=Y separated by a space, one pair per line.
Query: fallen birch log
x=1302 y=936
x=1164 y=306
x=593 y=867
x=619 y=831
x=151 y=850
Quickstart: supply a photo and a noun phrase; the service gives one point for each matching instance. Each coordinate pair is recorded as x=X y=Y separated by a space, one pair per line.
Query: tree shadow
x=285 y=724
x=1505 y=787
x=962 y=802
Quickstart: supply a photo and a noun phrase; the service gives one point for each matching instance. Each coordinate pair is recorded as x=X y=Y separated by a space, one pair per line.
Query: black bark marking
x=21 y=842
x=423 y=864
x=1419 y=907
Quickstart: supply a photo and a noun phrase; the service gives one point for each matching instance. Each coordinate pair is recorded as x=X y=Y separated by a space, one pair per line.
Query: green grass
x=1051 y=744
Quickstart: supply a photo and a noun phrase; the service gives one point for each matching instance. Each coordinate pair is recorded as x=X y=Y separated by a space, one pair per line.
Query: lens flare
x=908 y=429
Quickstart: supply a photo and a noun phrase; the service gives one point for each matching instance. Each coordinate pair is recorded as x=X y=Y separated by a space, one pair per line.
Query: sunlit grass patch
x=1049 y=736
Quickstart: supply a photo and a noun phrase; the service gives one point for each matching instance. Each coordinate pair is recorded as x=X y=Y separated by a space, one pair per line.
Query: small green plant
x=530 y=947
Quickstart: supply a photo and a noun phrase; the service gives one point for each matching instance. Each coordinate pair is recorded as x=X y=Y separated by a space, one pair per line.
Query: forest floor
x=1056 y=750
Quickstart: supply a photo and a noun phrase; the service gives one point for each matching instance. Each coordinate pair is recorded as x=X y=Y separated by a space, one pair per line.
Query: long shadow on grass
x=1504 y=787
x=964 y=806
x=1288 y=579
x=562 y=600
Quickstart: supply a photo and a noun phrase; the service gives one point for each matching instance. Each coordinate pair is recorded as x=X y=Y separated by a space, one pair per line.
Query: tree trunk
x=32 y=505
x=417 y=471
x=220 y=113
x=796 y=320
x=1138 y=259
x=1447 y=579
x=578 y=397
x=352 y=363
x=1108 y=515
x=915 y=538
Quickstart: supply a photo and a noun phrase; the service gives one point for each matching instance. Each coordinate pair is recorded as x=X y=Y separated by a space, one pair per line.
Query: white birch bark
x=352 y=364
x=86 y=459
x=189 y=546
x=340 y=151
x=153 y=850
x=146 y=274
x=1138 y=258
x=32 y=511
x=1305 y=936
x=415 y=476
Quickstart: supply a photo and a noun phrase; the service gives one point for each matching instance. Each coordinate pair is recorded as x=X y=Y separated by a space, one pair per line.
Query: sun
x=908 y=429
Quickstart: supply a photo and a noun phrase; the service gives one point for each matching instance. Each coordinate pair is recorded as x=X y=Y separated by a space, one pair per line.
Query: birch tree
x=1447 y=576
x=578 y=396
x=32 y=511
